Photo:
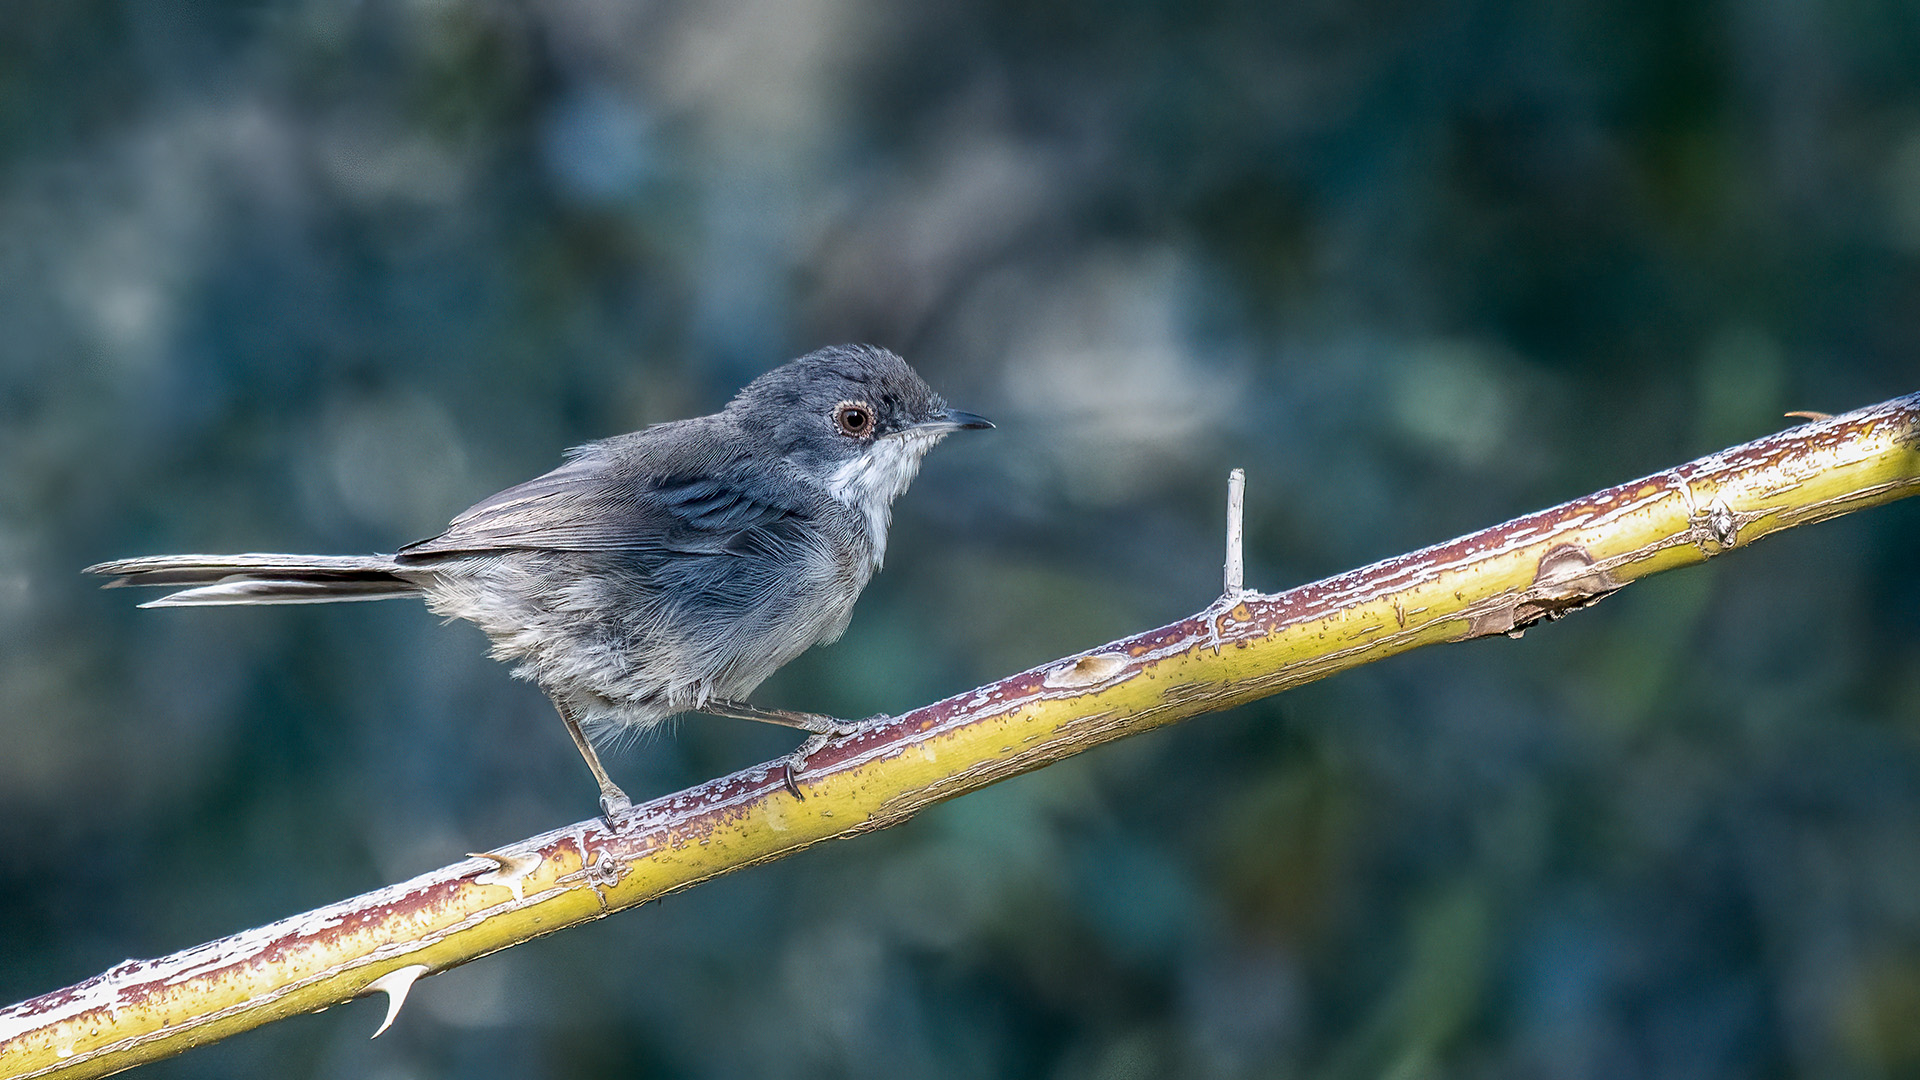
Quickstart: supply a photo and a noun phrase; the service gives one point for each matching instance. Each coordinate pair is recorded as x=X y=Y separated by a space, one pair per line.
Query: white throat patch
x=870 y=482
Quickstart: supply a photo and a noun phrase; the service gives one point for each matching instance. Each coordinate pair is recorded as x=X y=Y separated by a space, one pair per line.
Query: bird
x=667 y=570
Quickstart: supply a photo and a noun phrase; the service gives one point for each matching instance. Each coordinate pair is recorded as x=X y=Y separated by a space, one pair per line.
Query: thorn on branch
x=395 y=985
x=508 y=870
x=1236 y=571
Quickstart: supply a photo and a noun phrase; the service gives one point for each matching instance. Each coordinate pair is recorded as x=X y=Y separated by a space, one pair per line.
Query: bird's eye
x=854 y=418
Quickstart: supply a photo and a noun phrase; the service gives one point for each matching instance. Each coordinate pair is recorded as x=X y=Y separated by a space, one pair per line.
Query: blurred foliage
x=315 y=275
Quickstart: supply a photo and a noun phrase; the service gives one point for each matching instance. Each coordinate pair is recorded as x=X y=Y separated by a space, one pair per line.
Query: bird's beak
x=954 y=420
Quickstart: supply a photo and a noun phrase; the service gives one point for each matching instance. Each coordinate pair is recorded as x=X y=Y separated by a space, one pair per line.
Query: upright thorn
x=1236 y=504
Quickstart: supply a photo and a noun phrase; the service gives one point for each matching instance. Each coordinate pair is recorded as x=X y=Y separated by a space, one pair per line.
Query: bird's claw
x=796 y=763
x=613 y=804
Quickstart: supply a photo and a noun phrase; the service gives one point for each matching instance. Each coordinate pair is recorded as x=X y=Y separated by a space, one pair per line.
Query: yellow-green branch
x=1243 y=646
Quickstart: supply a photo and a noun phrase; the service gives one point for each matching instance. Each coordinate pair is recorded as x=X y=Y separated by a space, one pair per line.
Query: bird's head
x=854 y=419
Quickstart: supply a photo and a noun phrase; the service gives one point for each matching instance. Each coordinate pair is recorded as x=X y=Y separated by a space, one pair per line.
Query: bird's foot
x=796 y=763
x=613 y=804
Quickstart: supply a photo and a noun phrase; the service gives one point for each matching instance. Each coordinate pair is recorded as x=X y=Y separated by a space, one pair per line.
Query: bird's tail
x=262 y=579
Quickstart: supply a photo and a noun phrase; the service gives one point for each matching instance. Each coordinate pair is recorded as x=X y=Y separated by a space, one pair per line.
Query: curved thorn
x=395 y=985
x=508 y=870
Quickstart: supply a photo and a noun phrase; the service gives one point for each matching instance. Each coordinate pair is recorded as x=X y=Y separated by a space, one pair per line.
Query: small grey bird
x=668 y=570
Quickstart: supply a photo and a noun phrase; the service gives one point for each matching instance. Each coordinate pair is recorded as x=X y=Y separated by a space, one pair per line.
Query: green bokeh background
x=313 y=276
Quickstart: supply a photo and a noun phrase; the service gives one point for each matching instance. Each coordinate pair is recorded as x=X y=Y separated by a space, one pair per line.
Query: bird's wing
x=603 y=502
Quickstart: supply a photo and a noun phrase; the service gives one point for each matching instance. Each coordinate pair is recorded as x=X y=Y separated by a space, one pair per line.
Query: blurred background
x=315 y=275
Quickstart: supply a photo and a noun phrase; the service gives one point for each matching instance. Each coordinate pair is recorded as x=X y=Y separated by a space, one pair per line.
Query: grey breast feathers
x=667 y=565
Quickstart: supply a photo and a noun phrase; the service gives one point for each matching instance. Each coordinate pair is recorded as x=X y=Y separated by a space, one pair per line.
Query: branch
x=1245 y=645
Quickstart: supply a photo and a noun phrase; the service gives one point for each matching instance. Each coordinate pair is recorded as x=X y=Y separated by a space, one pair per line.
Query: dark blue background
x=313 y=276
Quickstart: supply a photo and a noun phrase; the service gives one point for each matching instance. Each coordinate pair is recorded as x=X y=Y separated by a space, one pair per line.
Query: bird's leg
x=821 y=730
x=613 y=801
x=803 y=721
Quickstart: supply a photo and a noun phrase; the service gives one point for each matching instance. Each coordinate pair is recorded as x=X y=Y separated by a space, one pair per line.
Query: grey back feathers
x=654 y=571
